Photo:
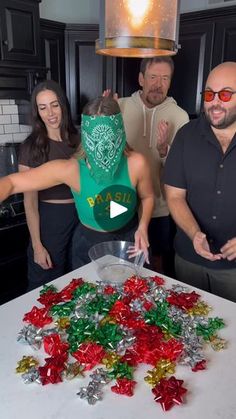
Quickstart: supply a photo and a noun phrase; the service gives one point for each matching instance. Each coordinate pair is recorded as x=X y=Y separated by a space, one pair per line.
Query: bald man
x=200 y=183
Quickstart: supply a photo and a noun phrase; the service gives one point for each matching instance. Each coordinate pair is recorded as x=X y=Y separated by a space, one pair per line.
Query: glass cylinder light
x=138 y=28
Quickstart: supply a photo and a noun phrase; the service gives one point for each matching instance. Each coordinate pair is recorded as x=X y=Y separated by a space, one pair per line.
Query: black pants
x=161 y=233
x=217 y=281
x=84 y=238
x=57 y=225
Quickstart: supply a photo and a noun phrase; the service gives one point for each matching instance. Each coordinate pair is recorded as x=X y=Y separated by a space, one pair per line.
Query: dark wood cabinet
x=52 y=36
x=87 y=73
x=19 y=27
x=31 y=49
x=18 y=83
x=207 y=39
x=13 y=261
x=20 y=55
x=225 y=39
x=192 y=64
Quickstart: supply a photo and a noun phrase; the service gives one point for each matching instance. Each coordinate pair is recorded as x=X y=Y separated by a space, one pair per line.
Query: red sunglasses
x=223 y=95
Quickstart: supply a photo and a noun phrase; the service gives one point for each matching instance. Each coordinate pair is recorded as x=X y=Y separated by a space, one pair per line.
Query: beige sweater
x=141 y=130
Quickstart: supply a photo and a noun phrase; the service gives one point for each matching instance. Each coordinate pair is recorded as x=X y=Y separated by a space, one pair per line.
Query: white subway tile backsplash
x=9 y=109
x=12 y=128
x=11 y=113
x=4 y=102
x=6 y=138
x=19 y=137
x=5 y=119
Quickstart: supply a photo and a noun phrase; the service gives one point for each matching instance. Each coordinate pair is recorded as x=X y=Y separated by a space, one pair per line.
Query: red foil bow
x=169 y=392
x=124 y=386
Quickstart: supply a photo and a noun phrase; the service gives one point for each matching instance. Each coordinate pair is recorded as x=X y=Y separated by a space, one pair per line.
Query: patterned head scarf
x=103 y=140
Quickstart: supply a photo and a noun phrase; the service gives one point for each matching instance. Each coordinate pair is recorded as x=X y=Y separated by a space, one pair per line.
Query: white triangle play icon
x=116 y=209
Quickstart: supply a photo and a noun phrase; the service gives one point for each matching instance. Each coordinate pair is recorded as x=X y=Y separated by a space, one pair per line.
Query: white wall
x=192 y=5
x=70 y=11
x=87 y=11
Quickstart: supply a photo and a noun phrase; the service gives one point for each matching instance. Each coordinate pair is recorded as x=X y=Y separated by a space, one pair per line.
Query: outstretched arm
x=183 y=216
x=43 y=177
x=6 y=188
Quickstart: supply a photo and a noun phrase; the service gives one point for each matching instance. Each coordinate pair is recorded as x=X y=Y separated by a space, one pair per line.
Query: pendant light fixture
x=138 y=28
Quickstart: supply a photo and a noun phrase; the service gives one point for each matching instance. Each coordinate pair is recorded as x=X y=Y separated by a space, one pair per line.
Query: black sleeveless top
x=57 y=150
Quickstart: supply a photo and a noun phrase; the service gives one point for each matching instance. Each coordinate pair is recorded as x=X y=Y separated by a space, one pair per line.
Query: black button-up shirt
x=197 y=164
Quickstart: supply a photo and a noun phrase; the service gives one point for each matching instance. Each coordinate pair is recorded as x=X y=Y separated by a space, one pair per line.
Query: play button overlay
x=114 y=207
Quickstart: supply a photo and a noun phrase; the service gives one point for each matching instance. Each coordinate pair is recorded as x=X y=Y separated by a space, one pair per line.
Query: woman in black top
x=50 y=213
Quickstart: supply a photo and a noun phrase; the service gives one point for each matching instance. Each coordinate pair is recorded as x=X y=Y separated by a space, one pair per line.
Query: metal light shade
x=138 y=28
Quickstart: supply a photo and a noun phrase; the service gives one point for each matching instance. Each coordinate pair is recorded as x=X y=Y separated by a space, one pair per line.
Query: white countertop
x=211 y=393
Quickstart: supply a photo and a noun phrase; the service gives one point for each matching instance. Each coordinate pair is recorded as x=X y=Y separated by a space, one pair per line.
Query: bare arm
x=142 y=178
x=6 y=188
x=183 y=216
x=145 y=193
x=41 y=255
x=32 y=213
x=43 y=177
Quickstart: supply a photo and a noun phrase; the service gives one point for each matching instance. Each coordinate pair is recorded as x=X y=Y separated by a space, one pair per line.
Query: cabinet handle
x=5 y=42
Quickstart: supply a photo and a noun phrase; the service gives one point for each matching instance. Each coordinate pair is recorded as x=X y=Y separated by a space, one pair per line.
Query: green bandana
x=103 y=140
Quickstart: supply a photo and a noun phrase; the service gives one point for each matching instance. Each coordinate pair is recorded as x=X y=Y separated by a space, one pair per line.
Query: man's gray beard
x=158 y=102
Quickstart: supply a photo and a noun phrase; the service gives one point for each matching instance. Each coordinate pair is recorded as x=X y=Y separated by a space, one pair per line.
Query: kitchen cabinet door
x=207 y=39
x=192 y=65
x=18 y=83
x=19 y=30
x=87 y=73
x=225 y=40
x=53 y=50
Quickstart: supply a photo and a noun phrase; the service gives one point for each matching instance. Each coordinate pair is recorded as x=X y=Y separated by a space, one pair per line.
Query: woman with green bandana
x=104 y=170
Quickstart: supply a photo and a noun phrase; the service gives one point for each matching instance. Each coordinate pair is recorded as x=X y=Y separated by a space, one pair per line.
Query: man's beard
x=224 y=122
x=155 y=99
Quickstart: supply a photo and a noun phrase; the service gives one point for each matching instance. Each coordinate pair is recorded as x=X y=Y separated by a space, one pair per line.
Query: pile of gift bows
x=110 y=330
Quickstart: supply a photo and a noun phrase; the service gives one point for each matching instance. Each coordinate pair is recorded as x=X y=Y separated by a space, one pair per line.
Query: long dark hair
x=38 y=139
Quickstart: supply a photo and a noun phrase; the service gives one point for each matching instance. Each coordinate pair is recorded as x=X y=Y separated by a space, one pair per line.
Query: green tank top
x=93 y=200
